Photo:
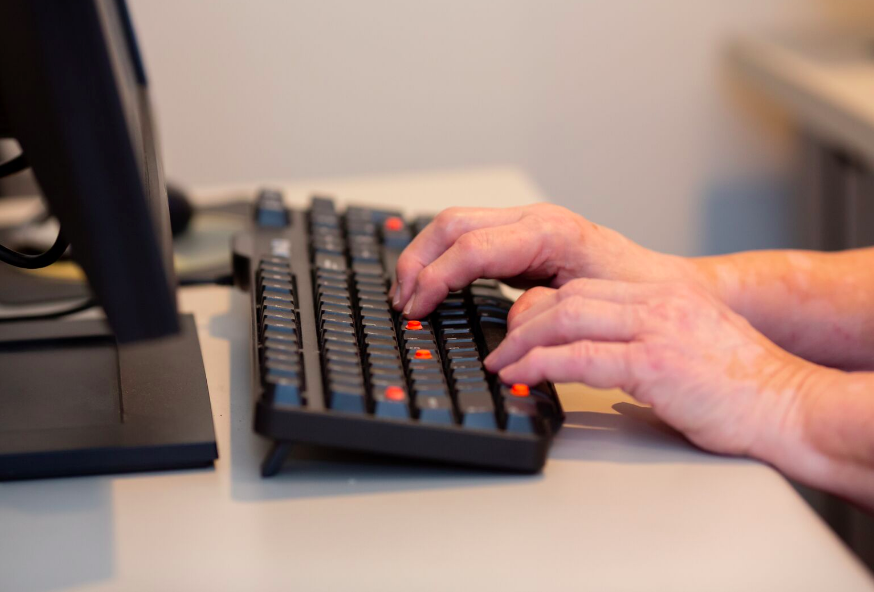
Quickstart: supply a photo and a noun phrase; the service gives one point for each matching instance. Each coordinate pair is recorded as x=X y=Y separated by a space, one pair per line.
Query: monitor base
x=72 y=402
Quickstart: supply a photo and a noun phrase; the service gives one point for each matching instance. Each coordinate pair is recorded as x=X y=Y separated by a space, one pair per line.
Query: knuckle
x=428 y=276
x=570 y=310
x=582 y=351
x=515 y=339
x=537 y=356
x=448 y=220
x=650 y=359
x=473 y=242
x=406 y=265
x=574 y=287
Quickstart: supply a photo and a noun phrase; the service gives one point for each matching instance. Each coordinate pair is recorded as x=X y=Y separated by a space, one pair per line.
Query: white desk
x=623 y=504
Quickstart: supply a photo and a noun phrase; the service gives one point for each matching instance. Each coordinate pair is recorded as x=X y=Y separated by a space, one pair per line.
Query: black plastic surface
x=74 y=96
x=315 y=423
x=72 y=402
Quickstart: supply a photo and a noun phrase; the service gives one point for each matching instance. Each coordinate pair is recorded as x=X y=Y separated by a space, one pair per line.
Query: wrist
x=784 y=437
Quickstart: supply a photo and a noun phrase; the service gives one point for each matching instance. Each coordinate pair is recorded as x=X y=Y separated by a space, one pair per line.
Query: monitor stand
x=74 y=402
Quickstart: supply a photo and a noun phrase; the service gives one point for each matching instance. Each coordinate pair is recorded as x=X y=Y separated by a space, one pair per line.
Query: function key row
x=279 y=333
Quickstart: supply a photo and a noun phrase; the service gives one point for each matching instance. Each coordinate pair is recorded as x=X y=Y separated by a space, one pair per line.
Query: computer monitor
x=83 y=396
x=74 y=95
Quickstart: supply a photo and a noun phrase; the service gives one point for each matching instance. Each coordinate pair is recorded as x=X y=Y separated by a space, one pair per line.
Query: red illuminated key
x=520 y=390
x=414 y=325
x=423 y=354
x=395 y=393
x=394 y=223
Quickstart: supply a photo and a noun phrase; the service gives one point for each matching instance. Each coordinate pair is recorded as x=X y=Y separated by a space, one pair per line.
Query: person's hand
x=540 y=244
x=704 y=369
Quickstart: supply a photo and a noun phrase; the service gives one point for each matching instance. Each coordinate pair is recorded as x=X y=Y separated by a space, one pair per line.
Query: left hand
x=703 y=368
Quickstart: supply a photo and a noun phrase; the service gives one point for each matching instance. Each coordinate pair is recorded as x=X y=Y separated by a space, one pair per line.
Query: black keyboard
x=334 y=365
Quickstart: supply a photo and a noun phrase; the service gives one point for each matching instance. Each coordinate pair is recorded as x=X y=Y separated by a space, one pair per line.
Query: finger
x=528 y=299
x=595 y=363
x=573 y=319
x=438 y=236
x=495 y=252
x=597 y=289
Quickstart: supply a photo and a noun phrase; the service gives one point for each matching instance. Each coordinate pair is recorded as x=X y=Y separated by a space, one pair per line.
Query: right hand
x=540 y=244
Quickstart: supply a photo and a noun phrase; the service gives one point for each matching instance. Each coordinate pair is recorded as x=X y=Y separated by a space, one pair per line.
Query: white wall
x=620 y=109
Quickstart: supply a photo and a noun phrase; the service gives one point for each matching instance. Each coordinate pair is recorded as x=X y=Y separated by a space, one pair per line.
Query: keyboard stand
x=274 y=460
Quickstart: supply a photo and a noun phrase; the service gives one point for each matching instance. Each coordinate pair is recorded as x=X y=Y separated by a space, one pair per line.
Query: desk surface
x=623 y=504
x=826 y=80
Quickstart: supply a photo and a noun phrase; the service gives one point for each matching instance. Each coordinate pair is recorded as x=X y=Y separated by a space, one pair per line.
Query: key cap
x=435 y=409
x=544 y=402
x=375 y=342
x=336 y=308
x=346 y=398
x=369 y=269
x=278 y=325
x=477 y=410
x=462 y=354
x=328 y=261
x=284 y=315
x=270 y=212
x=522 y=417
x=391 y=402
x=280 y=336
x=372 y=313
x=462 y=364
x=432 y=391
x=284 y=369
x=342 y=357
x=469 y=375
x=338 y=300
x=283 y=391
x=340 y=348
x=280 y=356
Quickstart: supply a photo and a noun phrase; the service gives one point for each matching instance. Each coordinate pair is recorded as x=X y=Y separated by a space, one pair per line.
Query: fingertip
x=408 y=309
x=395 y=294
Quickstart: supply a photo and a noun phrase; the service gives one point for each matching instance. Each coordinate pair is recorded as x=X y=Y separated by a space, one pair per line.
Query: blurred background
x=625 y=110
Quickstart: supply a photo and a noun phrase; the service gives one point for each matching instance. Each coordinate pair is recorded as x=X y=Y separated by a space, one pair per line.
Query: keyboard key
x=329 y=261
x=342 y=357
x=477 y=410
x=279 y=336
x=282 y=368
x=391 y=402
x=435 y=409
x=283 y=391
x=522 y=417
x=469 y=375
x=279 y=325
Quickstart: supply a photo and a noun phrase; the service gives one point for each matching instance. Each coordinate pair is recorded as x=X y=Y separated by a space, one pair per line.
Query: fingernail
x=396 y=295
x=409 y=305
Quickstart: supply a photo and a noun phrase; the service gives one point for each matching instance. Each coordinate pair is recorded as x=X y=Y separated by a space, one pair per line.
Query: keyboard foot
x=275 y=458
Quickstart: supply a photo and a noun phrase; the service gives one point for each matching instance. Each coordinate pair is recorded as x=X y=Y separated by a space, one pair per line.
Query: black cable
x=24 y=261
x=221 y=280
x=54 y=314
x=16 y=165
